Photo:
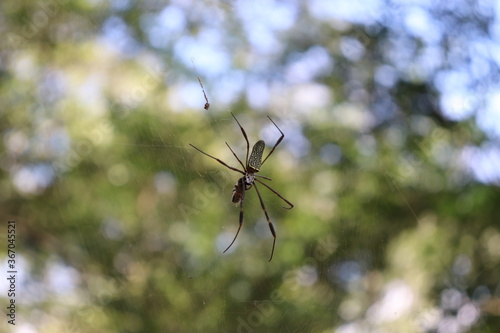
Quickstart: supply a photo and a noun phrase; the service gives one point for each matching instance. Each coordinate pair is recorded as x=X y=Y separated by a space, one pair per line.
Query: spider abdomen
x=255 y=160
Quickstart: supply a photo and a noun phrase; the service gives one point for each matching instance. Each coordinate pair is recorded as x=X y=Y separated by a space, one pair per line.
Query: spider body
x=249 y=179
x=253 y=166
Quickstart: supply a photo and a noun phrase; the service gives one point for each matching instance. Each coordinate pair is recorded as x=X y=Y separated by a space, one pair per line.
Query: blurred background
x=391 y=156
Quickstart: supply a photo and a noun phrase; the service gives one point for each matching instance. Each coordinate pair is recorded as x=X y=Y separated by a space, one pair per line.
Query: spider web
x=206 y=217
x=202 y=234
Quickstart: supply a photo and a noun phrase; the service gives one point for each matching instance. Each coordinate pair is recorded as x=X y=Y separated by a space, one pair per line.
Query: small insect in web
x=253 y=164
x=207 y=104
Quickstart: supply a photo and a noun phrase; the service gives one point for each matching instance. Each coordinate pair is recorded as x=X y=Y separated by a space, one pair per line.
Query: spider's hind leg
x=239 y=196
x=271 y=226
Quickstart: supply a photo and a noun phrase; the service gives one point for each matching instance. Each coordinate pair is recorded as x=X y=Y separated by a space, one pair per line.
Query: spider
x=207 y=104
x=250 y=178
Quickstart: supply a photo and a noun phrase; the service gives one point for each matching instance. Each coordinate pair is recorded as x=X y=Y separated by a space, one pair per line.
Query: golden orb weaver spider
x=250 y=168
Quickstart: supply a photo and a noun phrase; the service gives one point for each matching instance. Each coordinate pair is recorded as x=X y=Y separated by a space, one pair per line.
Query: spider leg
x=224 y=164
x=246 y=138
x=277 y=143
x=241 y=163
x=266 y=178
x=268 y=220
x=241 y=187
x=275 y=192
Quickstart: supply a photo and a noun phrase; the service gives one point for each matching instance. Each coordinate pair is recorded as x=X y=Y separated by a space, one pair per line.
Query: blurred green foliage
x=125 y=233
